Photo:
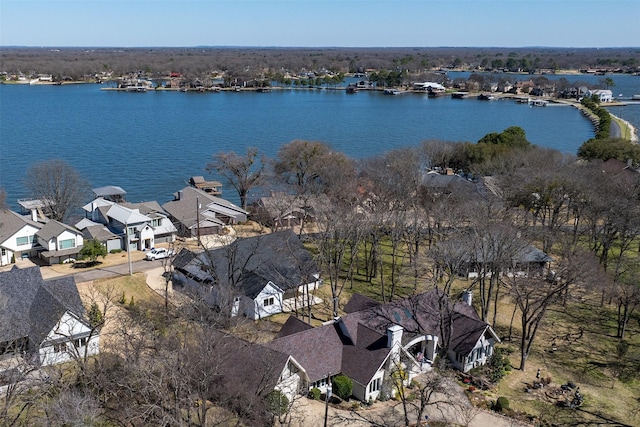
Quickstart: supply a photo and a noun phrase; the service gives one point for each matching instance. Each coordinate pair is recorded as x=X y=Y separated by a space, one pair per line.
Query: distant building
x=604 y=95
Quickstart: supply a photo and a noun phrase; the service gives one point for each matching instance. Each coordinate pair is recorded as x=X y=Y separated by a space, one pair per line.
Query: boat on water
x=351 y=89
x=391 y=92
x=538 y=103
x=138 y=85
x=136 y=88
x=459 y=95
x=635 y=98
x=485 y=97
x=435 y=92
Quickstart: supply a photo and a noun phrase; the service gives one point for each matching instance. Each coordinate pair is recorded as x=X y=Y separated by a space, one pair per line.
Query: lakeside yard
x=574 y=345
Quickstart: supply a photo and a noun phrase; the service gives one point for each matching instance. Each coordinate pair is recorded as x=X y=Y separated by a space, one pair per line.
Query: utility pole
x=126 y=226
x=198 y=218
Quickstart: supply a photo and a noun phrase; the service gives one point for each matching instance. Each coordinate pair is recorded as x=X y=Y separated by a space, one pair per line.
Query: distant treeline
x=248 y=63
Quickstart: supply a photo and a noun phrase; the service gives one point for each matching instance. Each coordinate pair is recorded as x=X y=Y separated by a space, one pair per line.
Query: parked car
x=159 y=253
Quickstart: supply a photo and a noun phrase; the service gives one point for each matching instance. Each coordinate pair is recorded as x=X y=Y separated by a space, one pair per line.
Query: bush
x=277 y=403
x=115 y=251
x=501 y=404
x=315 y=393
x=342 y=386
x=499 y=365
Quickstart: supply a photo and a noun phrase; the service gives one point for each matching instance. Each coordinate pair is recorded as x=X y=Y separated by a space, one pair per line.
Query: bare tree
x=58 y=185
x=535 y=294
x=242 y=172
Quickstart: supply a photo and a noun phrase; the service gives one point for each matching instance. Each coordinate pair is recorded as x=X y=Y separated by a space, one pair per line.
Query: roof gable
x=54 y=229
x=252 y=262
x=11 y=223
x=34 y=306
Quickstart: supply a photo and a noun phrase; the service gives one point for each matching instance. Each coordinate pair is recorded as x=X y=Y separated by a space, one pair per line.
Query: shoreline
x=633 y=132
x=626 y=128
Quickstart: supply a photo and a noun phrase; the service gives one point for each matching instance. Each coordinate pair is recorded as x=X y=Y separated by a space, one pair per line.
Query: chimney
x=34 y=215
x=449 y=171
x=179 y=194
x=394 y=335
x=467 y=297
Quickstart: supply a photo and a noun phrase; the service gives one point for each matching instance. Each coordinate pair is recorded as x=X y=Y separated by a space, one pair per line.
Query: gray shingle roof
x=53 y=229
x=11 y=223
x=31 y=307
x=356 y=344
x=318 y=350
x=183 y=208
x=253 y=262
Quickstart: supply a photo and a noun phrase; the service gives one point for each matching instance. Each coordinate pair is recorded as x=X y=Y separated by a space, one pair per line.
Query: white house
x=43 y=321
x=429 y=86
x=604 y=95
x=138 y=231
x=17 y=236
x=255 y=277
x=373 y=341
x=59 y=242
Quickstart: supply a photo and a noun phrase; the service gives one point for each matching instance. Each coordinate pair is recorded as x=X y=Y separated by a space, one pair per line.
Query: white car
x=159 y=253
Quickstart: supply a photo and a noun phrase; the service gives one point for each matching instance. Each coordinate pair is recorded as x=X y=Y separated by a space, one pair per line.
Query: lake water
x=151 y=143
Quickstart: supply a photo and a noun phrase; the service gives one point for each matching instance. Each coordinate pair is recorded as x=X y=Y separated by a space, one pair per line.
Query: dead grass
x=585 y=354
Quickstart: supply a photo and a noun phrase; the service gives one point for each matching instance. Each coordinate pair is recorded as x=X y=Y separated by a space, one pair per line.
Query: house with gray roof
x=281 y=210
x=373 y=340
x=515 y=258
x=139 y=225
x=59 y=242
x=43 y=321
x=17 y=236
x=255 y=277
x=187 y=212
x=356 y=350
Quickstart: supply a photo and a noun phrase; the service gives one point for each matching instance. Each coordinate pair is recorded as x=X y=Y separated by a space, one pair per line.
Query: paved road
x=614 y=130
x=105 y=272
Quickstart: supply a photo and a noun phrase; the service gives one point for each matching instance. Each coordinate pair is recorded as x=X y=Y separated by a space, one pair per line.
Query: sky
x=320 y=23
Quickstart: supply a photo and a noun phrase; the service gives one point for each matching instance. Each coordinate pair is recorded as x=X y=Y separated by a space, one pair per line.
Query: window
x=24 y=240
x=375 y=385
x=4 y=251
x=80 y=342
x=60 y=347
x=156 y=222
x=268 y=301
x=66 y=244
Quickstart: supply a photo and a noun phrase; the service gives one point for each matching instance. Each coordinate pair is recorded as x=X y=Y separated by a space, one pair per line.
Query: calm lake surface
x=151 y=143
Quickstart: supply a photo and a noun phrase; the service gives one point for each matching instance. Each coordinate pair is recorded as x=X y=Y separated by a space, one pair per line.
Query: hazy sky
x=309 y=23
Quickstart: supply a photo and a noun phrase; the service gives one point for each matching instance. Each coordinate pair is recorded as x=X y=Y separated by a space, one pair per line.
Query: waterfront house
x=17 y=236
x=187 y=212
x=281 y=210
x=603 y=95
x=59 y=242
x=43 y=322
x=138 y=231
x=428 y=87
x=255 y=277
